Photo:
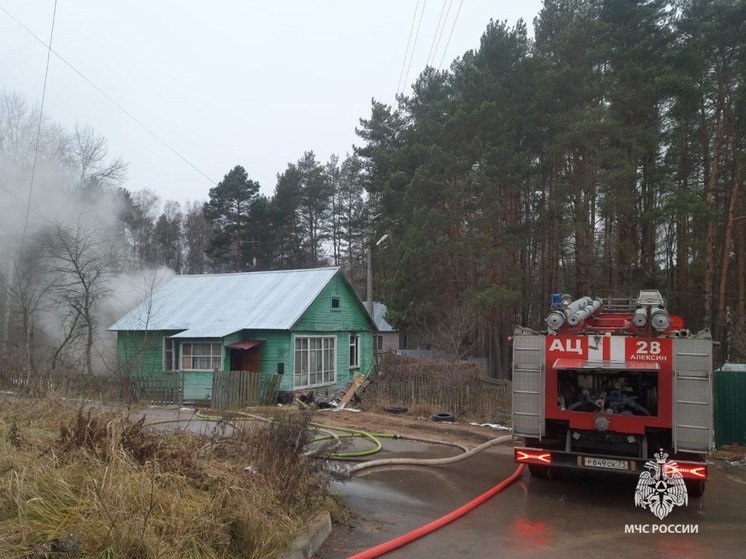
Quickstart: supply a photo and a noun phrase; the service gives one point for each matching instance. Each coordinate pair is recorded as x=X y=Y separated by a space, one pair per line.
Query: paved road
x=536 y=518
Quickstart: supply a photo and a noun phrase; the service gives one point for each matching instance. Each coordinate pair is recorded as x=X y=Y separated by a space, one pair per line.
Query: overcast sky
x=254 y=83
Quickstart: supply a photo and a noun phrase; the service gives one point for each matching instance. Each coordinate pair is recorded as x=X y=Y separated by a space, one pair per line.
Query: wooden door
x=246 y=359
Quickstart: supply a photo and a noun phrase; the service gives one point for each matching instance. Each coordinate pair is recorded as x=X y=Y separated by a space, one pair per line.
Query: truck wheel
x=538 y=471
x=546 y=472
x=695 y=487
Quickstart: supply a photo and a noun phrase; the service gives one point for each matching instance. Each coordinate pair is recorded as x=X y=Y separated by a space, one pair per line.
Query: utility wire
x=38 y=128
x=28 y=206
x=442 y=30
x=448 y=42
x=406 y=52
x=414 y=45
x=109 y=97
x=437 y=29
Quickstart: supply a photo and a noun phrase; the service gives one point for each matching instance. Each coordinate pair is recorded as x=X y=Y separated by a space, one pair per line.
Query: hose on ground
x=373 y=437
x=377 y=446
x=377 y=551
x=400 y=541
x=354 y=455
x=430 y=461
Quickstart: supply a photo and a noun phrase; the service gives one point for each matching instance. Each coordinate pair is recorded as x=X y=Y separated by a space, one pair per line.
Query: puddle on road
x=577 y=516
x=370 y=491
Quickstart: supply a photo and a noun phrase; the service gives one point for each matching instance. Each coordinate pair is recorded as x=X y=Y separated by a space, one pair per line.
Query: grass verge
x=80 y=483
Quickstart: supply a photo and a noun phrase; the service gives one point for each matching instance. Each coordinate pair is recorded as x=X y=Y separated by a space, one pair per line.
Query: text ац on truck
x=609 y=384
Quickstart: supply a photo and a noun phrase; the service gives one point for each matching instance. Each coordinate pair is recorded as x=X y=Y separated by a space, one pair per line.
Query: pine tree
x=229 y=213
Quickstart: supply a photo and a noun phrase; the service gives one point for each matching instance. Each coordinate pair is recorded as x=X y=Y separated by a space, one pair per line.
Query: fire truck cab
x=609 y=384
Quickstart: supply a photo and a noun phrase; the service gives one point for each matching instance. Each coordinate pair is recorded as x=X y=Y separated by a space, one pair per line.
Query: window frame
x=379 y=343
x=338 y=300
x=354 y=344
x=175 y=357
x=308 y=373
x=212 y=342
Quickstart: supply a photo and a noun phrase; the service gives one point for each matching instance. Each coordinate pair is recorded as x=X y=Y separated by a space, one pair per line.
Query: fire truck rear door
x=692 y=397
x=528 y=385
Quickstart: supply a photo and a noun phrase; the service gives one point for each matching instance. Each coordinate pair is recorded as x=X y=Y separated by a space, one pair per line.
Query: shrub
x=430 y=385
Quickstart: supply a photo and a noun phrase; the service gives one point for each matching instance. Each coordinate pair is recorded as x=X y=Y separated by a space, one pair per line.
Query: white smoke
x=75 y=187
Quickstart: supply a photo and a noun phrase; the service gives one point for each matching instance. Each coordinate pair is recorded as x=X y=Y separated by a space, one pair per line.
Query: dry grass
x=59 y=384
x=96 y=485
x=426 y=386
x=731 y=453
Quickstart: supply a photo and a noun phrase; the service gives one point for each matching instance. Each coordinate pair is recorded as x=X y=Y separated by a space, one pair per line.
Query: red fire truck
x=610 y=383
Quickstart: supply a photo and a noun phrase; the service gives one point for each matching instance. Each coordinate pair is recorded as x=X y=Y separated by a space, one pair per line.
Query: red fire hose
x=417 y=533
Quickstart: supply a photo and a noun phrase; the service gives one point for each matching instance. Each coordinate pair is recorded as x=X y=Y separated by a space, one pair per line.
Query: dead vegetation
x=730 y=453
x=85 y=483
x=426 y=386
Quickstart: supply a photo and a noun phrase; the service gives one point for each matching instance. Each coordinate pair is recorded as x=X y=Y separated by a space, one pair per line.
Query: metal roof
x=734 y=367
x=379 y=318
x=213 y=306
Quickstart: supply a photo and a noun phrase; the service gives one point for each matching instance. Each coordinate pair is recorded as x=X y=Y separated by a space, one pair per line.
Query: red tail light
x=687 y=471
x=533 y=456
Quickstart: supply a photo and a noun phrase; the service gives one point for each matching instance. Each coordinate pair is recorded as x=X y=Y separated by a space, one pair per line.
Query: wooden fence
x=483 y=399
x=230 y=389
x=270 y=388
x=241 y=389
x=156 y=390
x=104 y=388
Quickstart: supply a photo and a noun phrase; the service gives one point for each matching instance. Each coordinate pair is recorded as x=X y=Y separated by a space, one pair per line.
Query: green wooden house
x=307 y=325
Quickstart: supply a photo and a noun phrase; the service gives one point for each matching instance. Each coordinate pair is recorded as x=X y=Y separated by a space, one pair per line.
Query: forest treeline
x=600 y=156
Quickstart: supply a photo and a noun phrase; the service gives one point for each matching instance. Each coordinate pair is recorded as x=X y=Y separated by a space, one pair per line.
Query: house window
x=201 y=356
x=336 y=303
x=315 y=361
x=170 y=361
x=354 y=350
x=379 y=343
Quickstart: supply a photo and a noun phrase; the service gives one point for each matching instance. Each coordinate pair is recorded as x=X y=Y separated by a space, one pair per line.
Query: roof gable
x=213 y=306
x=352 y=314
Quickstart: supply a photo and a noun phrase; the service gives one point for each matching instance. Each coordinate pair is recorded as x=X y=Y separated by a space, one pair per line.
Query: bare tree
x=27 y=291
x=142 y=208
x=167 y=236
x=17 y=128
x=197 y=235
x=80 y=267
x=454 y=333
x=88 y=155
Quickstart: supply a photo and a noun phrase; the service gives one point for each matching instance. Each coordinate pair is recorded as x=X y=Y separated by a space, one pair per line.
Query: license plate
x=605 y=463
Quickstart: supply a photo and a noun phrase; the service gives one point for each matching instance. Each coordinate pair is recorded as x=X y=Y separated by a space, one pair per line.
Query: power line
x=448 y=42
x=406 y=52
x=435 y=35
x=442 y=29
x=109 y=97
x=38 y=128
x=414 y=46
x=28 y=206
